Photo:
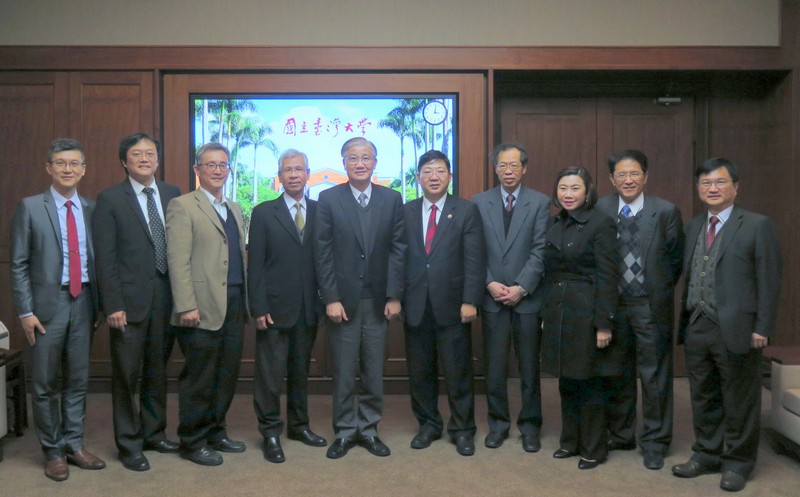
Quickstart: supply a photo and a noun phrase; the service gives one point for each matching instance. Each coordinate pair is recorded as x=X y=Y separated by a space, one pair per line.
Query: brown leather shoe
x=85 y=460
x=57 y=469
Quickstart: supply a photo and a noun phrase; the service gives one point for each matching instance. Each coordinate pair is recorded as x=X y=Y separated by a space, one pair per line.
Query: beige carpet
x=436 y=471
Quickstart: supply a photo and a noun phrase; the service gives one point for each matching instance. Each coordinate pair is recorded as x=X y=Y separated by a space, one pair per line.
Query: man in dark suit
x=514 y=225
x=359 y=255
x=650 y=240
x=205 y=252
x=285 y=301
x=729 y=309
x=52 y=276
x=131 y=245
x=445 y=265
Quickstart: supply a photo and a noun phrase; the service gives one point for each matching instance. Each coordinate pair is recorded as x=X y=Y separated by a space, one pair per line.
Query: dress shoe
x=620 y=445
x=732 y=482
x=85 y=459
x=465 y=445
x=563 y=454
x=495 y=439
x=203 y=456
x=692 y=469
x=374 y=446
x=339 y=448
x=308 y=437
x=531 y=443
x=163 y=446
x=653 y=460
x=590 y=464
x=135 y=462
x=424 y=439
x=57 y=469
x=273 y=452
x=227 y=445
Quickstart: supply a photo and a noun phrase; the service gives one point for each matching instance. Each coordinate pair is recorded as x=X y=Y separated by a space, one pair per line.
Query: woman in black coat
x=581 y=280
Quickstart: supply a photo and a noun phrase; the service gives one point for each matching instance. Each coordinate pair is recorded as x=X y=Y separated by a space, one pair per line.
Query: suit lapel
x=348 y=204
x=133 y=203
x=728 y=231
x=284 y=217
x=496 y=217
x=518 y=218
x=311 y=209
x=206 y=208
x=52 y=213
x=647 y=225
x=417 y=236
x=87 y=223
x=692 y=232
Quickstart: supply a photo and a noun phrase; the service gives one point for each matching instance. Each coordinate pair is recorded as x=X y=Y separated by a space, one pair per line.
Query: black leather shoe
x=202 y=456
x=653 y=460
x=227 y=445
x=563 y=454
x=164 y=446
x=531 y=443
x=135 y=462
x=308 y=437
x=424 y=439
x=620 y=445
x=732 y=482
x=465 y=445
x=374 y=446
x=587 y=464
x=339 y=448
x=692 y=469
x=495 y=439
x=273 y=452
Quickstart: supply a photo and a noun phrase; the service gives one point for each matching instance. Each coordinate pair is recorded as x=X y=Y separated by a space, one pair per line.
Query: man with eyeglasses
x=359 y=257
x=133 y=279
x=650 y=241
x=206 y=255
x=728 y=312
x=445 y=268
x=515 y=220
x=284 y=299
x=52 y=280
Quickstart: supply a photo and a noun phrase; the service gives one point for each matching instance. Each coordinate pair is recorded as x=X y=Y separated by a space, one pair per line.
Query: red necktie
x=712 y=231
x=431 y=230
x=74 y=253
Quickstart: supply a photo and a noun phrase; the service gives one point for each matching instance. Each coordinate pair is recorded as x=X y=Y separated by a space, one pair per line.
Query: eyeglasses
x=137 y=154
x=427 y=173
x=514 y=166
x=719 y=183
x=213 y=166
x=354 y=159
x=293 y=170
x=60 y=164
x=634 y=175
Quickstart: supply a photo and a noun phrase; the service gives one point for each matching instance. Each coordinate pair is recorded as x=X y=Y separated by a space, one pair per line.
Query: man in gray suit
x=514 y=225
x=650 y=240
x=52 y=276
x=729 y=309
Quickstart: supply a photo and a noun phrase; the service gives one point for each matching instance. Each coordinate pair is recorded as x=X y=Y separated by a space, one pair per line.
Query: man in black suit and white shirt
x=729 y=310
x=359 y=253
x=445 y=266
x=285 y=301
x=130 y=241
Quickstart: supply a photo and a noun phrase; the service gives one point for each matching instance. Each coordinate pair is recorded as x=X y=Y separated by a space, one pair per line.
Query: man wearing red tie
x=445 y=272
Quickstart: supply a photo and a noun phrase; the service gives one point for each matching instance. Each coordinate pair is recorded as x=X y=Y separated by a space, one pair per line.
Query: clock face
x=434 y=112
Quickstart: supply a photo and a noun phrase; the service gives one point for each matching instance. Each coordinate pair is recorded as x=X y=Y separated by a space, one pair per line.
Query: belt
x=65 y=288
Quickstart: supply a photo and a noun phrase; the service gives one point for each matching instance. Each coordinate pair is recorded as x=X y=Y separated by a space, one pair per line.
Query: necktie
x=74 y=253
x=626 y=210
x=156 y=231
x=510 y=203
x=431 y=230
x=712 y=231
x=362 y=199
x=298 y=217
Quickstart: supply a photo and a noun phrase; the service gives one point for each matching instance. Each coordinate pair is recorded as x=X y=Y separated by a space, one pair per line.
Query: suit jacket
x=340 y=253
x=281 y=275
x=747 y=280
x=453 y=273
x=126 y=257
x=516 y=259
x=197 y=252
x=661 y=233
x=37 y=259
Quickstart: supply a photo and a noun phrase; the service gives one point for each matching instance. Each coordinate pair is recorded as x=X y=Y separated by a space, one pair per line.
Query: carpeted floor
x=437 y=471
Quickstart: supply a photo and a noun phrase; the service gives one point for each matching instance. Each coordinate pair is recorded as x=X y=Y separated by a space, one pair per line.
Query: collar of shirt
x=356 y=192
x=505 y=194
x=427 y=204
x=723 y=217
x=290 y=202
x=138 y=187
x=213 y=199
x=636 y=205
x=61 y=200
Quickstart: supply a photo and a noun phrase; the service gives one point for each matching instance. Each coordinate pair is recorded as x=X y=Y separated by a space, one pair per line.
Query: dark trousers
x=144 y=348
x=726 y=399
x=207 y=382
x=583 y=428
x=648 y=350
x=500 y=331
x=283 y=352
x=425 y=345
